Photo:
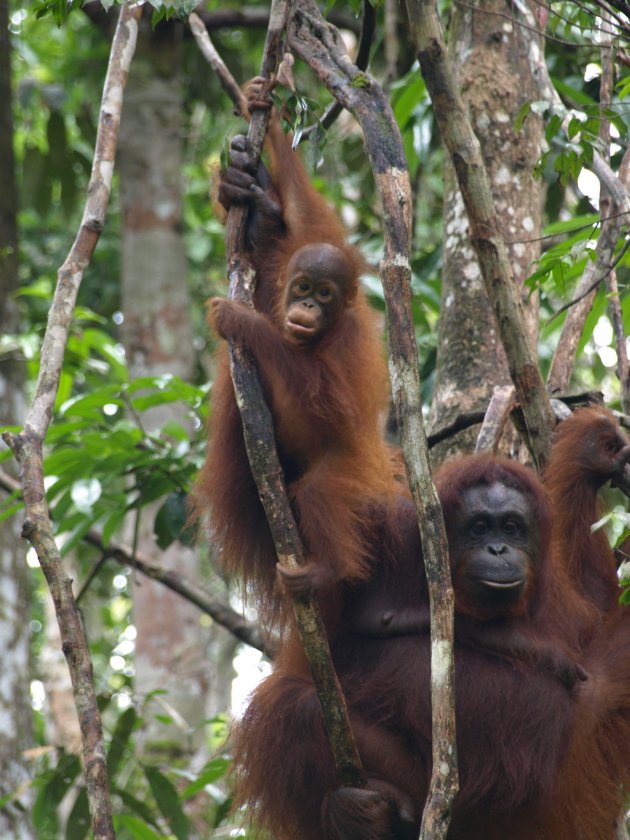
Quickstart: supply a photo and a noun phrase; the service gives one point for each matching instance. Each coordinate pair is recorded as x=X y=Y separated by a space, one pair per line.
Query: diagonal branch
x=495 y=419
x=206 y=601
x=28 y=445
x=318 y=44
x=259 y=440
x=209 y=52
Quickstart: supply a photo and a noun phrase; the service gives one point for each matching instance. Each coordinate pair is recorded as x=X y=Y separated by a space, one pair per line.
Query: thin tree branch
x=474 y=418
x=564 y=357
x=485 y=234
x=588 y=285
x=616 y=317
x=227 y=80
x=318 y=44
x=28 y=445
x=498 y=413
x=368 y=25
x=259 y=440
x=206 y=601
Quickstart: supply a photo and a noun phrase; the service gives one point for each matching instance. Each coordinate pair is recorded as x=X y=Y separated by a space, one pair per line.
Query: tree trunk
x=171 y=649
x=15 y=708
x=492 y=60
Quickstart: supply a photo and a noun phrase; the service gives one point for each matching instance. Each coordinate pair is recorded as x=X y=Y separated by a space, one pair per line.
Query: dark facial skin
x=493 y=541
x=319 y=284
x=605 y=451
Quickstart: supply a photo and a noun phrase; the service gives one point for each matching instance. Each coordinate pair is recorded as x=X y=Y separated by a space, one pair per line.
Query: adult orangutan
x=542 y=672
x=319 y=354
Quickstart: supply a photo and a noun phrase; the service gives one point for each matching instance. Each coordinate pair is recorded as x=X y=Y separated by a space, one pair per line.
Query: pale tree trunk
x=62 y=722
x=493 y=59
x=172 y=644
x=15 y=702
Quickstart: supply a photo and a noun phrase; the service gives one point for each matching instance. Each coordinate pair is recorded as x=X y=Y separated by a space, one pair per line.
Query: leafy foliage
x=149 y=799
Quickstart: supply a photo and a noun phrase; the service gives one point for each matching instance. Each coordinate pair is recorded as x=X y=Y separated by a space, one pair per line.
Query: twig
x=368 y=25
x=28 y=445
x=259 y=440
x=227 y=80
x=588 y=285
x=208 y=603
x=318 y=44
x=485 y=234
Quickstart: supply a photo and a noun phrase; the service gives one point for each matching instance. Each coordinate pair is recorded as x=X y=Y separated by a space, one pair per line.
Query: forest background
x=547 y=89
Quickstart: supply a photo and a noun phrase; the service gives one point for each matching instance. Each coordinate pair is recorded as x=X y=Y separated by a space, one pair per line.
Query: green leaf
x=572 y=93
x=91 y=405
x=136 y=806
x=56 y=785
x=113 y=523
x=120 y=738
x=522 y=115
x=78 y=824
x=84 y=523
x=168 y=802
x=214 y=770
x=575 y=125
x=412 y=96
x=170 y=521
x=572 y=225
x=10 y=510
x=138 y=829
x=552 y=127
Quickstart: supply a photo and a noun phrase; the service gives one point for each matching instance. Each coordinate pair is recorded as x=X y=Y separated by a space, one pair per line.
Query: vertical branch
x=319 y=44
x=595 y=271
x=260 y=444
x=606 y=89
x=28 y=445
x=497 y=415
x=487 y=241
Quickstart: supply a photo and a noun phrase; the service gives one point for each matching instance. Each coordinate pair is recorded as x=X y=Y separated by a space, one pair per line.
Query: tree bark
x=157 y=334
x=491 y=56
x=15 y=711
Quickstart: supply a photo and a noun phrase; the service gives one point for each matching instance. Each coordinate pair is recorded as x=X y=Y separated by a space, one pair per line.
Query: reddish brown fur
x=325 y=400
x=573 y=476
x=536 y=760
